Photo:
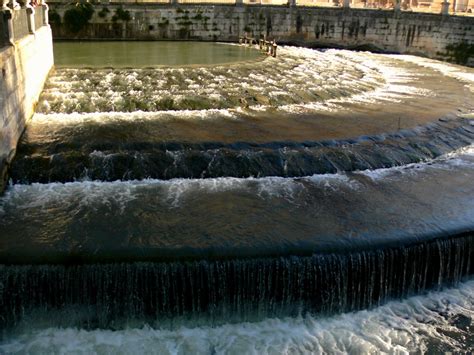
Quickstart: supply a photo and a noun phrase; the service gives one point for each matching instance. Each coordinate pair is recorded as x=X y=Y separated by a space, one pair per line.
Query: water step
x=87 y=156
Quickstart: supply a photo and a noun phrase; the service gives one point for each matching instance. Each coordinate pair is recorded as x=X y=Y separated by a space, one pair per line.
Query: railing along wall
x=17 y=22
x=461 y=7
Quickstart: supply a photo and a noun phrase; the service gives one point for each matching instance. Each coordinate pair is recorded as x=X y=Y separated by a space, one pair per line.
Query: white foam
x=175 y=191
x=74 y=118
x=463 y=74
x=307 y=71
x=95 y=194
x=449 y=161
x=397 y=328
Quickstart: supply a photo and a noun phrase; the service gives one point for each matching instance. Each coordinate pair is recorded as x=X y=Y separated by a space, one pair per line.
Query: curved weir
x=138 y=158
x=303 y=186
x=254 y=217
x=115 y=295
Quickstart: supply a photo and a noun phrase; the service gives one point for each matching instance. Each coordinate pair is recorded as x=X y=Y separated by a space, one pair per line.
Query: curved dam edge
x=188 y=254
x=138 y=159
x=95 y=296
x=449 y=38
x=273 y=216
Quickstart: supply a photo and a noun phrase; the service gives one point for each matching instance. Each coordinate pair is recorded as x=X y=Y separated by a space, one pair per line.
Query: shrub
x=78 y=17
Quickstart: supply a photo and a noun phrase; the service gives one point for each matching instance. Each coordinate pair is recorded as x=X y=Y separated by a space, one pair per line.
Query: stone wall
x=436 y=36
x=24 y=69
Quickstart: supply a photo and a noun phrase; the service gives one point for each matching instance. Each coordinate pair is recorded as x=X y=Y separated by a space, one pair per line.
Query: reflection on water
x=237 y=217
x=163 y=225
x=122 y=54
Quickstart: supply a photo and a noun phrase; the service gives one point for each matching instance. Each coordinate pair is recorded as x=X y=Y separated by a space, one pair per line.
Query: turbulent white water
x=260 y=211
x=438 y=321
x=297 y=81
x=88 y=193
x=464 y=74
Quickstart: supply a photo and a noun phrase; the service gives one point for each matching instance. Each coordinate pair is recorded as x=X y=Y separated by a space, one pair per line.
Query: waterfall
x=114 y=294
x=152 y=199
x=78 y=158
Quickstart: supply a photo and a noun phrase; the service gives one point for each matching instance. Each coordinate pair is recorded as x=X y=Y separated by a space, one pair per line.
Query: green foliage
x=54 y=17
x=121 y=14
x=78 y=17
x=461 y=52
x=103 y=13
x=164 y=23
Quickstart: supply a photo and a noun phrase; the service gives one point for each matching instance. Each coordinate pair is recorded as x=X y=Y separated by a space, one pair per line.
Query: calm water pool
x=148 y=54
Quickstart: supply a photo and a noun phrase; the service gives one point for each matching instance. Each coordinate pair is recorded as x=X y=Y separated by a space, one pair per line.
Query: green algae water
x=148 y=54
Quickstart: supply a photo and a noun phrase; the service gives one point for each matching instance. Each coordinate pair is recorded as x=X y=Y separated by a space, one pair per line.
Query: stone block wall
x=24 y=69
x=432 y=35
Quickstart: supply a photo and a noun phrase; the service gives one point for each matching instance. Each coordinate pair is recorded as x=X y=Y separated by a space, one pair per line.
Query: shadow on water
x=114 y=296
x=129 y=220
x=143 y=154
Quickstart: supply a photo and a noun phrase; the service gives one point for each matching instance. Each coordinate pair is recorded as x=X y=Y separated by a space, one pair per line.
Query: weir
x=213 y=292
x=210 y=194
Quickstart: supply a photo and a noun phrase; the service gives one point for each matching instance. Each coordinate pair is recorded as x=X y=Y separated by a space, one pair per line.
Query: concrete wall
x=24 y=69
x=404 y=32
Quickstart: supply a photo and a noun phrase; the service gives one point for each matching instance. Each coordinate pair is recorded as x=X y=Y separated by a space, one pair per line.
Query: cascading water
x=173 y=203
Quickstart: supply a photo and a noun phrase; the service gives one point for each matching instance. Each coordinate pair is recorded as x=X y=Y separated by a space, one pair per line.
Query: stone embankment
x=26 y=58
x=439 y=36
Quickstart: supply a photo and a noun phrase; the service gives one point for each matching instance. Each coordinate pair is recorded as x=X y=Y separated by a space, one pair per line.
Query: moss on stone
x=461 y=52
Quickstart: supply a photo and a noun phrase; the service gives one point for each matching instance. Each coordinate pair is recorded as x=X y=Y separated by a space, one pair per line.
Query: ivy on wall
x=78 y=17
x=54 y=17
x=460 y=52
x=103 y=13
x=121 y=14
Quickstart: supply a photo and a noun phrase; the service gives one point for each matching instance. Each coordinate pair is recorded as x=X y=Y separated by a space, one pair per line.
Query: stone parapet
x=24 y=69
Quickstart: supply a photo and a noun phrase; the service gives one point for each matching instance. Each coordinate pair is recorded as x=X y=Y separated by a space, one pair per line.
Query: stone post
x=45 y=9
x=239 y=2
x=346 y=4
x=14 y=5
x=8 y=18
x=397 y=5
x=30 y=13
x=445 y=7
x=292 y=3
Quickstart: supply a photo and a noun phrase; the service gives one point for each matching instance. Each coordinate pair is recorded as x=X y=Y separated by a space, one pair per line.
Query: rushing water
x=266 y=207
x=433 y=323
